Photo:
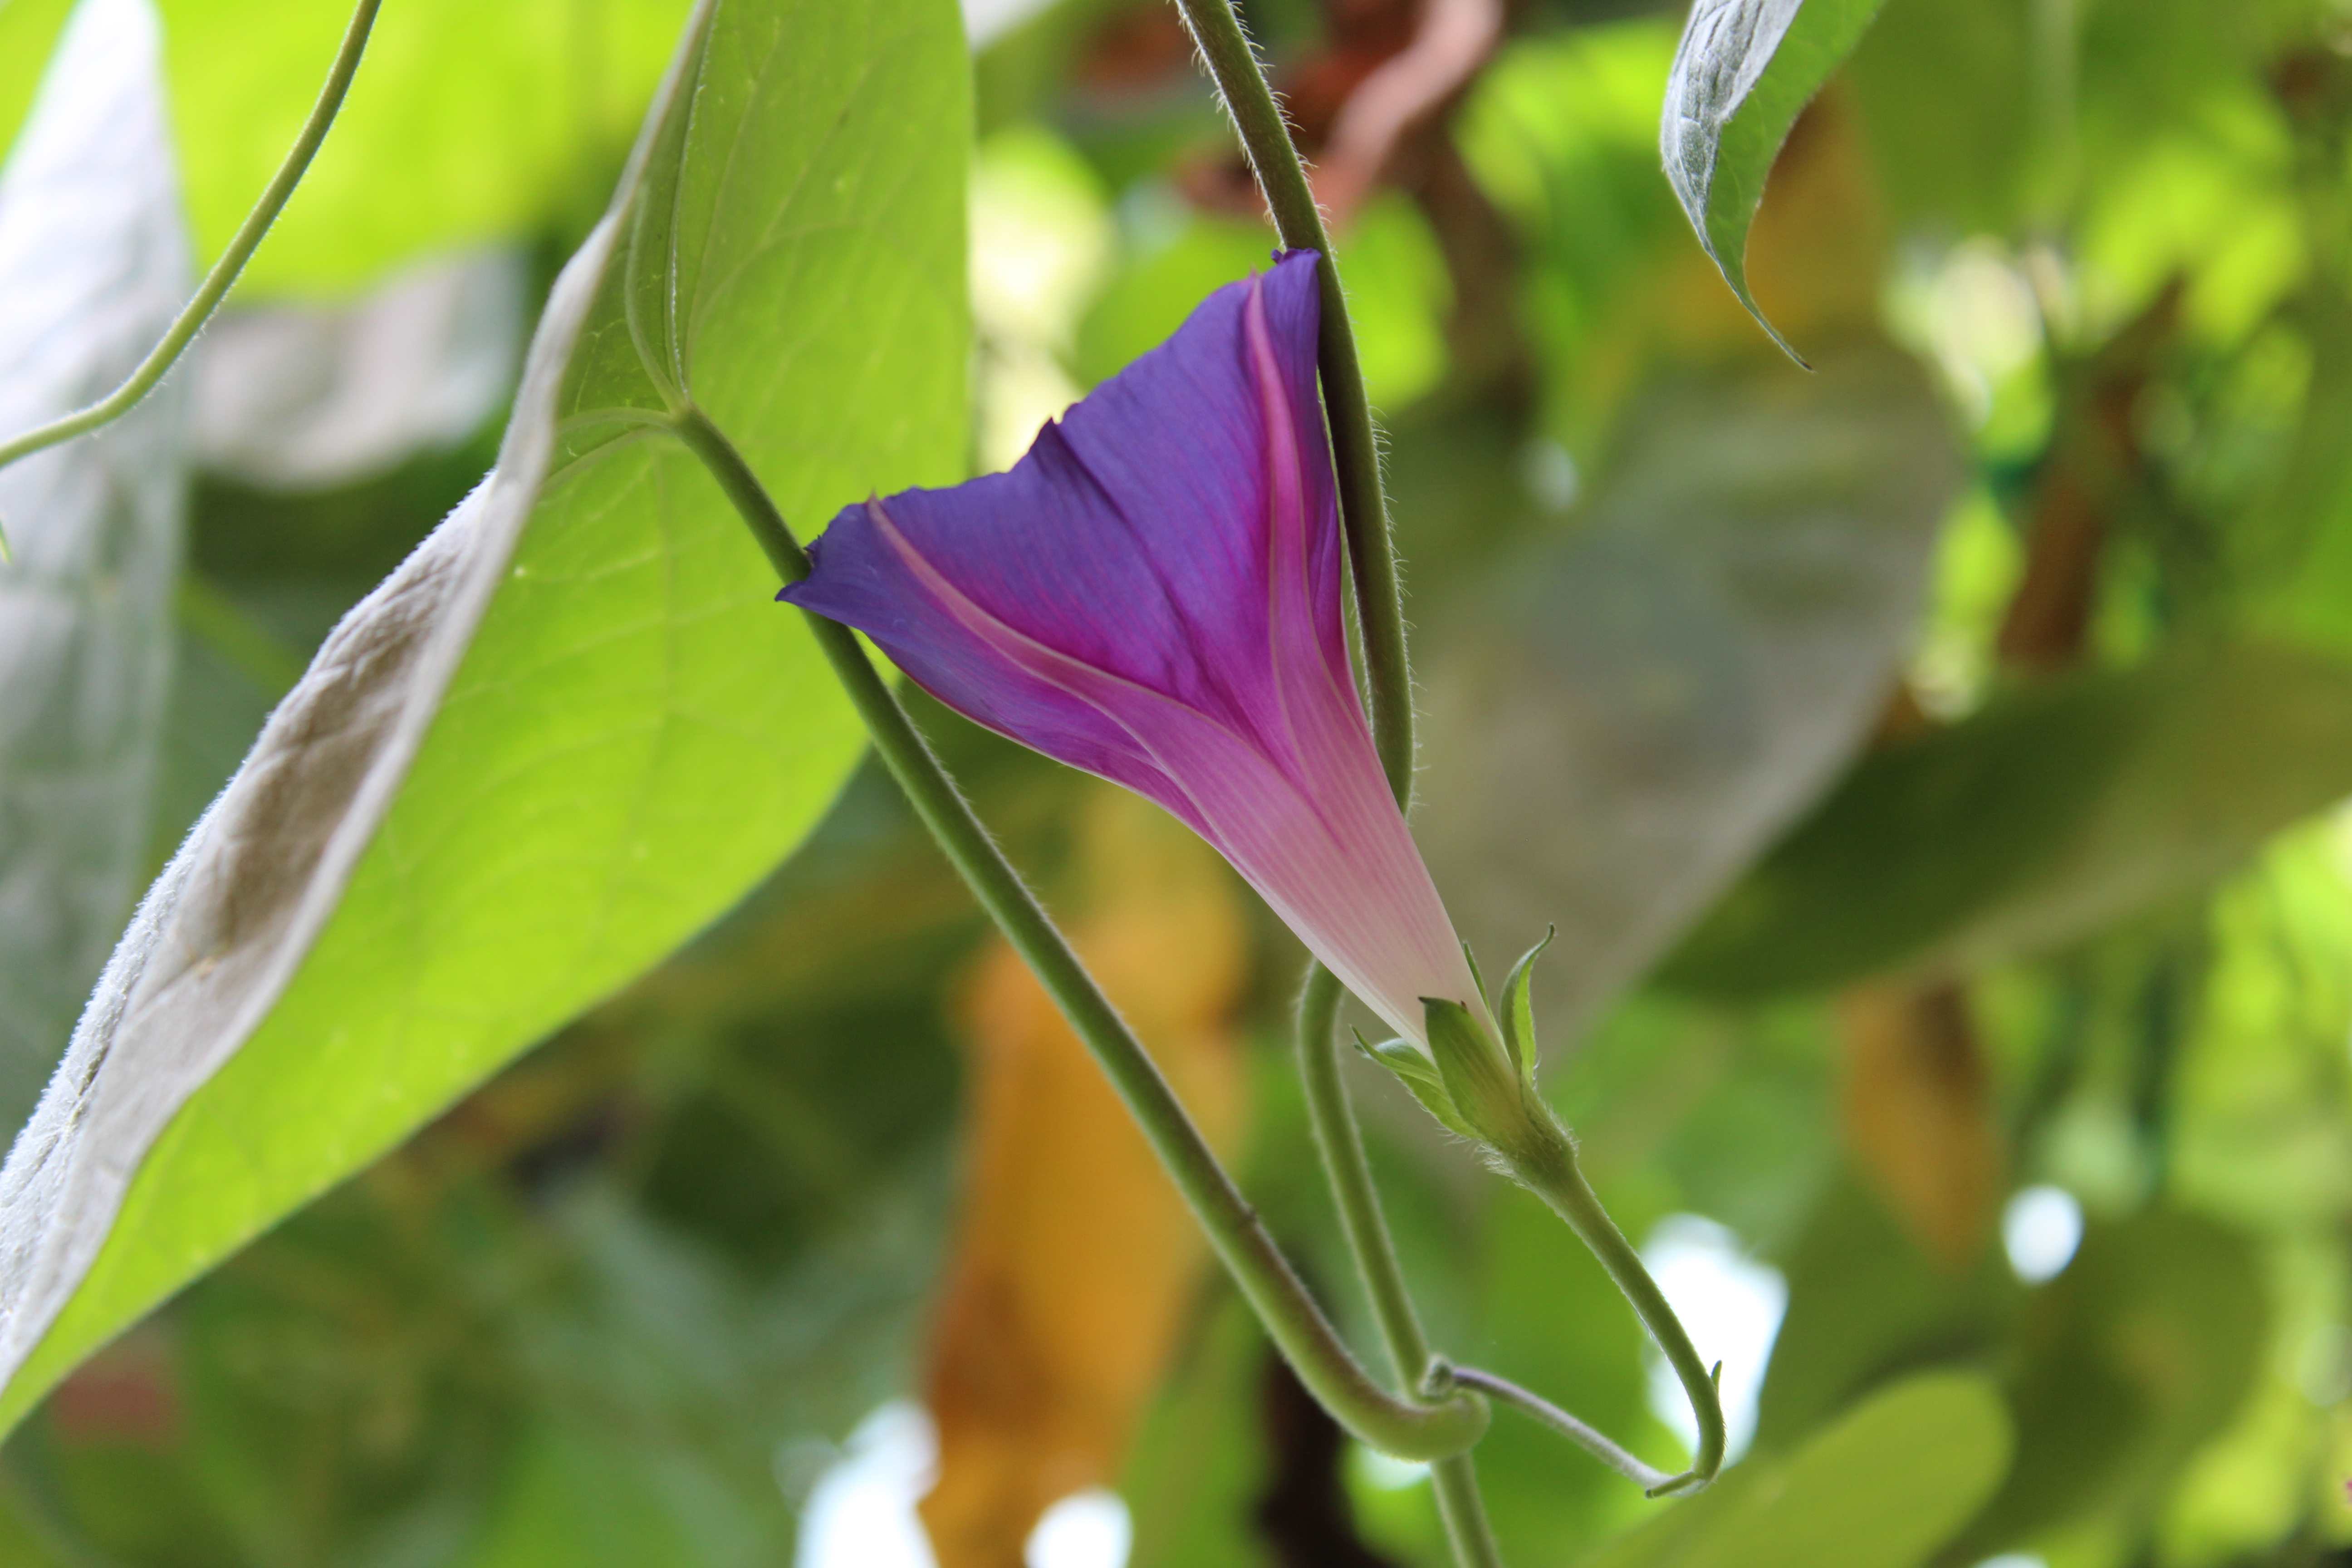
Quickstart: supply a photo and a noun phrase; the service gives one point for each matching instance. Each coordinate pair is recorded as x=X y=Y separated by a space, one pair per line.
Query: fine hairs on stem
x=224 y=274
x=1355 y=443
x=1408 y=1427
x=1282 y=176
x=1340 y=1146
x=1388 y=677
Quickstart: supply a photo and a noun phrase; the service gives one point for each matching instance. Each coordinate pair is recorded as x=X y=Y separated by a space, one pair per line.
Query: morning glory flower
x=1153 y=594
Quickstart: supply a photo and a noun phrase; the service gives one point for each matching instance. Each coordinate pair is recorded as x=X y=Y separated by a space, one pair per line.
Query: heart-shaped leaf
x=568 y=730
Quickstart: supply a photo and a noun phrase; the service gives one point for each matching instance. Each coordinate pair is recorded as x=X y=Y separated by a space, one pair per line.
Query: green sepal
x=1477 y=979
x=1420 y=1074
x=1477 y=1074
x=1519 y=1012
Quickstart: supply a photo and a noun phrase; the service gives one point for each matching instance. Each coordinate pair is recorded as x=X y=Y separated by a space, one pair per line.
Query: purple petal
x=1139 y=534
x=1153 y=594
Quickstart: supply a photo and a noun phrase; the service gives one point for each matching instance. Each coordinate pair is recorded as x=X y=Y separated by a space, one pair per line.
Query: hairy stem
x=224 y=271
x=1380 y=615
x=1355 y=448
x=1548 y=1168
x=1341 y=1146
x=1363 y=509
x=1405 y=1427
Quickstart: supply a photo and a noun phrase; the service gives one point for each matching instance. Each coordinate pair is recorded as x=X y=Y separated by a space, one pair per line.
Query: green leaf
x=1397 y=296
x=576 y=1497
x=467 y=122
x=1744 y=70
x=299 y=398
x=1550 y=1318
x=2039 y=820
x=1948 y=113
x=1623 y=713
x=1865 y=1306
x=28 y=32
x=93 y=267
x=573 y=727
x=1476 y=979
x=2134 y=1359
x=1884 y=1487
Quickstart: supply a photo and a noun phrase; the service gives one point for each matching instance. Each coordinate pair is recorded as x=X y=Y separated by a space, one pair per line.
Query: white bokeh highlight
x=2039 y=1230
x=861 y=1513
x=1731 y=1306
x=1086 y=1529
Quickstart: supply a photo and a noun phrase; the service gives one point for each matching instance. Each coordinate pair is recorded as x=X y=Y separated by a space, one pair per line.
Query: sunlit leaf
x=467 y=122
x=2035 y=822
x=2133 y=1357
x=92 y=270
x=1882 y=1488
x=1866 y=1305
x=28 y=32
x=1745 y=69
x=571 y=727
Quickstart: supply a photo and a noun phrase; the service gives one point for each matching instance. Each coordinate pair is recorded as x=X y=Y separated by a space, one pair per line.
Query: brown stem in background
x=1491 y=349
x=2094 y=461
x=1304 y=1513
x=1405 y=94
x=1372 y=107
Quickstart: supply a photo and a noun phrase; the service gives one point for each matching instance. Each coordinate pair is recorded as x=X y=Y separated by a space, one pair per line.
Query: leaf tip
x=1736 y=277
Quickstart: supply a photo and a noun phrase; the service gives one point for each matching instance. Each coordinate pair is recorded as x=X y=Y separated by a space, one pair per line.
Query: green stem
x=1363 y=511
x=1462 y=1512
x=1380 y=615
x=1549 y=1167
x=1341 y=1146
x=1407 y=1428
x=1583 y=1434
x=1355 y=448
x=224 y=271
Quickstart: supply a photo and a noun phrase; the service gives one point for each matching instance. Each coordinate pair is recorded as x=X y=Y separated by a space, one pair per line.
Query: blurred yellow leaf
x=1075 y=1257
x=1919 y=1113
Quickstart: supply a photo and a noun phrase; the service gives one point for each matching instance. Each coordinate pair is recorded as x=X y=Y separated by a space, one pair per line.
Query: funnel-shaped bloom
x=1153 y=594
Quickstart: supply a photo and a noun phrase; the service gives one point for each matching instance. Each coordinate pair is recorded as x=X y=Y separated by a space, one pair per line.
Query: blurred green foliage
x=2067 y=753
